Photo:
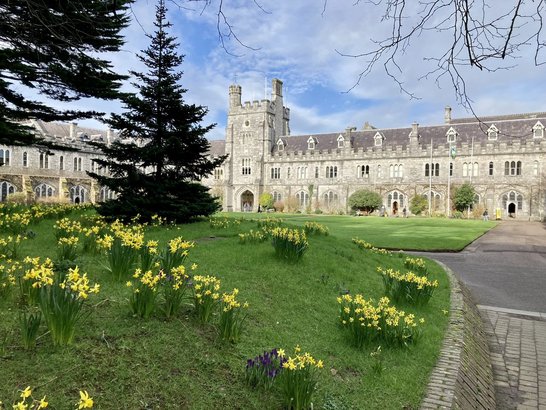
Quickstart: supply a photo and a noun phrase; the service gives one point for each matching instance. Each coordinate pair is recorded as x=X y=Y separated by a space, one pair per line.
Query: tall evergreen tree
x=52 y=47
x=157 y=172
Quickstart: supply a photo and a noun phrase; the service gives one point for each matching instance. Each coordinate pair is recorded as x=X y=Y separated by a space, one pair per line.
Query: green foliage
x=53 y=48
x=266 y=200
x=418 y=204
x=365 y=200
x=464 y=197
x=30 y=324
x=407 y=287
x=158 y=175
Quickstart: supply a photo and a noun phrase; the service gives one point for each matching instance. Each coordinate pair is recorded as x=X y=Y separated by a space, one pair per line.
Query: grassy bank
x=127 y=362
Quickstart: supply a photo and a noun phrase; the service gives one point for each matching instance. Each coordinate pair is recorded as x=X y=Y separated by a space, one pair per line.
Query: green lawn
x=126 y=362
x=424 y=234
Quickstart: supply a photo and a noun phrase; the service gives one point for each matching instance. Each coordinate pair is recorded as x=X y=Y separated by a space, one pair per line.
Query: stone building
x=58 y=174
x=501 y=156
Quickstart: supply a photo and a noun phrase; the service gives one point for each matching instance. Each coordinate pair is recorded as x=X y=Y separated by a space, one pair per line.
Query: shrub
x=464 y=197
x=266 y=200
x=418 y=204
x=279 y=206
x=18 y=198
x=365 y=200
x=291 y=204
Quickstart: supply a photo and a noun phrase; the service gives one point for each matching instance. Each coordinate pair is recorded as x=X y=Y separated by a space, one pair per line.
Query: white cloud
x=297 y=43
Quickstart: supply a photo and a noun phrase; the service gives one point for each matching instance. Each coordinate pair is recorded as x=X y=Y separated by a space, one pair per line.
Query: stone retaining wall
x=463 y=377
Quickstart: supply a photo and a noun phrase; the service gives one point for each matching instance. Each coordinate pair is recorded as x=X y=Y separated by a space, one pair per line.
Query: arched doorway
x=395 y=201
x=247 y=201
x=512 y=202
x=395 y=207
x=512 y=210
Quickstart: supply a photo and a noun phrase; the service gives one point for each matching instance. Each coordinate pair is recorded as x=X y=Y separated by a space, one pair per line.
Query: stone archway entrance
x=512 y=210
x=395 y=207
x=247 y=201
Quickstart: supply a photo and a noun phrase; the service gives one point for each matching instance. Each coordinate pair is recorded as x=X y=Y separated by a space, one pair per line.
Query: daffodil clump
x=223 y=223
x=10 y=246
x=416 y=265
x=175 y=253
x=148 y=255
x=67 y=248
x=27 y=402
x=15 y=220
x=205 y=296
x=314 y=228
x=8 y=272
x=231 y=316
x=269 y=223
x=290 y=244
x=90 y=236
x=122 y=247
x=174 y=289
x=407 y=286
x=35 y=274
x=262 y=370
x=368 y=246
x=253 y=236
x=298 y=379
x=61 y=304
x=65 y=227
x=369 y=323
x=145 y=290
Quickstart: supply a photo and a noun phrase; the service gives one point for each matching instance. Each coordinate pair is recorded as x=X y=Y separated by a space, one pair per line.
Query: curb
x=463 y=376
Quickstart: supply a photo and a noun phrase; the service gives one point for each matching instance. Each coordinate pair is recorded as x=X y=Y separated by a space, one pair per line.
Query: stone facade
x=502 y=157
x=57 y=175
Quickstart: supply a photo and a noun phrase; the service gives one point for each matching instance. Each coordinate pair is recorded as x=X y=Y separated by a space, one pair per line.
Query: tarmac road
x=506 y=267
x=505 y=271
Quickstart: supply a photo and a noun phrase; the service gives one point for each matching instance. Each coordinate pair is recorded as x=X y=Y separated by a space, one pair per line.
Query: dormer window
x=538 y=130
x=340 y=141
x=280 y=145
x=492 y=133
x=378 y=139
x=451 y=135
x=311 y=143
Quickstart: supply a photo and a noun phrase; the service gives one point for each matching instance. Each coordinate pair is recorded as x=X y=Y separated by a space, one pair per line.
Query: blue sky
x=300 y=43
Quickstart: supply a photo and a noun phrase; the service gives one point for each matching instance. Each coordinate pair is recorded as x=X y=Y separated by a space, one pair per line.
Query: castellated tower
x=252 y=130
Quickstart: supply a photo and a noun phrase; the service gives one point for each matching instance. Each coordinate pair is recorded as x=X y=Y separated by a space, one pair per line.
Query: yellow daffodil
x=85 y=402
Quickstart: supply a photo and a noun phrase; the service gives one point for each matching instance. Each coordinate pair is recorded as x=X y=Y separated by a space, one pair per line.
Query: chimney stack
x=73 y=130
x=447 y=115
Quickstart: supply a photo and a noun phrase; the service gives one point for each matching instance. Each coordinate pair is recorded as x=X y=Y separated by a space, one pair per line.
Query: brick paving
x=517 y=342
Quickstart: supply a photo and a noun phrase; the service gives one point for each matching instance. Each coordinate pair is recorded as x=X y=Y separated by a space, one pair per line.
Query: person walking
x=485 y=215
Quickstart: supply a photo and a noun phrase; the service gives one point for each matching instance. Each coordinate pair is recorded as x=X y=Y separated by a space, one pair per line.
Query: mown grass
x=130 y=363
x=424 y=234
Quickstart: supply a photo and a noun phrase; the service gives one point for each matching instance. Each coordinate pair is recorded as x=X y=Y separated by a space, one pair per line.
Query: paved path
x=505 y=271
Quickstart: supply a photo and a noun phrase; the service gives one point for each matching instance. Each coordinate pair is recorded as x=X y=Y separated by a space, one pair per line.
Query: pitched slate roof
x=217 y=148
x=510 y=128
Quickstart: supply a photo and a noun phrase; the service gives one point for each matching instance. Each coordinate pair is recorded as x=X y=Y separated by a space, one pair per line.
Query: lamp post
x=452 y=155
x=430 y=181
